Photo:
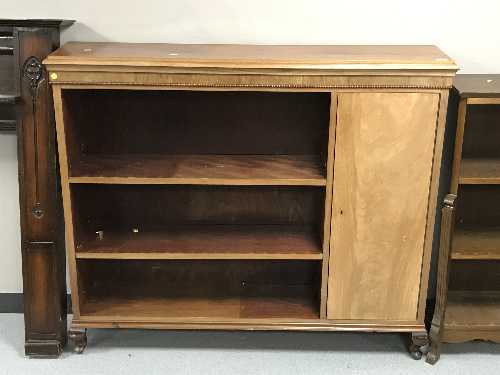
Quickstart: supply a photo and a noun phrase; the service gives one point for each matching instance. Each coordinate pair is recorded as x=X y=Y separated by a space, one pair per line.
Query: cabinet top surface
x=478 y=85
x=252 y=56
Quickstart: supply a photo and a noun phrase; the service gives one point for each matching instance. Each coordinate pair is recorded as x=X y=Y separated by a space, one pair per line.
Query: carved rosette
x=33 y=73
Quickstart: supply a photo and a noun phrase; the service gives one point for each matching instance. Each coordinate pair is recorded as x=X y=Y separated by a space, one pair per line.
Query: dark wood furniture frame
x=26 y=106
x=468 y=285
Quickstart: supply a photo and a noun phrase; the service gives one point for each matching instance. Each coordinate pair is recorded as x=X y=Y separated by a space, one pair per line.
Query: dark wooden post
x=25 y=44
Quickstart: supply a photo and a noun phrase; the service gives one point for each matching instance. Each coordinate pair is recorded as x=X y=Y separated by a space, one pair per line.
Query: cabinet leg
x=435 y=348
x=419 y=344
x=43 y=348
x=79 y=339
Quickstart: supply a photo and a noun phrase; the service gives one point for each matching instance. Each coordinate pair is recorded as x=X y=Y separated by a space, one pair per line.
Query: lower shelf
x=272 y=302
x=473 y=308
x=198 y=289
x=472 y=315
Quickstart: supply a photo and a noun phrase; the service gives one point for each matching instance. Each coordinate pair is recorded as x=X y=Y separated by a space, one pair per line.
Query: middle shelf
x=480 y=242
x=123 y=221
x=305 y=170
x=206 y=242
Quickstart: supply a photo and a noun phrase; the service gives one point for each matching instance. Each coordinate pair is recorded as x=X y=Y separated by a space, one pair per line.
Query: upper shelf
x=304 y=170
x=233 y=56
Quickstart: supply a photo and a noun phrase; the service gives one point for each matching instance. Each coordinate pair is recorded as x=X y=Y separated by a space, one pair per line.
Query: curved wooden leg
x=419 y=344
x=434 y=352
x=79 y=339
x=447 y=221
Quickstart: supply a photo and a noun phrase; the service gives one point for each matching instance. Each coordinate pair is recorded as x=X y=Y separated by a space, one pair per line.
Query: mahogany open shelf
x=206 y=242
x=476 y=243
x=200 y=169
x=480 y=159
x=198 y=204
x=473 y=310
x=477 y=224
x=480 y=171
x=473 y=299
x=468 y=288
x=194 y=289
x=285 y=302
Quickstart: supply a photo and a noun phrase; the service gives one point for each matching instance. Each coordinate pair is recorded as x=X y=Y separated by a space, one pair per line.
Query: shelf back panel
x=197 y=122
x=482 y=132
x=478 y=206
x=121 y=208
x=200 y=289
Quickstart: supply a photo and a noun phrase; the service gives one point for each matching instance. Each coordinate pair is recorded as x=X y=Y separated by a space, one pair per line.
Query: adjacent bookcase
x=468 y=298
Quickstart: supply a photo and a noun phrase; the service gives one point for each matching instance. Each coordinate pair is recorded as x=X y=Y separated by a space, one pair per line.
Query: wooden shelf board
x=200 y=169
x=481 y=243
x=472 y=310
x=207 y=242
x=9 y=99
x=275 y=302
x=480 y=171
x=252 y=324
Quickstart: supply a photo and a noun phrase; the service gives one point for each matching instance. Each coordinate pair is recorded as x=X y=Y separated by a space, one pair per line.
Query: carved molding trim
x=34 y=74
x=436 y=330
x=271 y=86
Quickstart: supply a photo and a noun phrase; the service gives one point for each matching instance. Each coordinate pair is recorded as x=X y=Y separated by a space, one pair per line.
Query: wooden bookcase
x=199 y=193
x=468 y=298
x=219 y=197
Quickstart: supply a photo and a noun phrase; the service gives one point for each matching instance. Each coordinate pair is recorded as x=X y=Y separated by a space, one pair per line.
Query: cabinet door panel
x=383 y=162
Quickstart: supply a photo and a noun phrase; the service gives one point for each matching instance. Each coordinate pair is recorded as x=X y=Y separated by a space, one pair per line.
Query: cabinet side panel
x=384 y=152
x=63 y=118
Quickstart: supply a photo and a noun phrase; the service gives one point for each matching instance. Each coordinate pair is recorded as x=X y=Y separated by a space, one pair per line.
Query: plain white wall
x=466 y=31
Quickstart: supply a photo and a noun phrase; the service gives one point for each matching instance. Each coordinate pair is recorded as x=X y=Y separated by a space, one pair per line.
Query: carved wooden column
x=448 y=218
x=42 y=232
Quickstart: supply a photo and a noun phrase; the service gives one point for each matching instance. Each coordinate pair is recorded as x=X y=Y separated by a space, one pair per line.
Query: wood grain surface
x=249 y=56
x=206 y=242
x=479 y=242
x=199 y=169
x=383 y=162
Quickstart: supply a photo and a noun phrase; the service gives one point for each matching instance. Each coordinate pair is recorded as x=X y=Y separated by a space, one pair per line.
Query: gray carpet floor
x=205 y=353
